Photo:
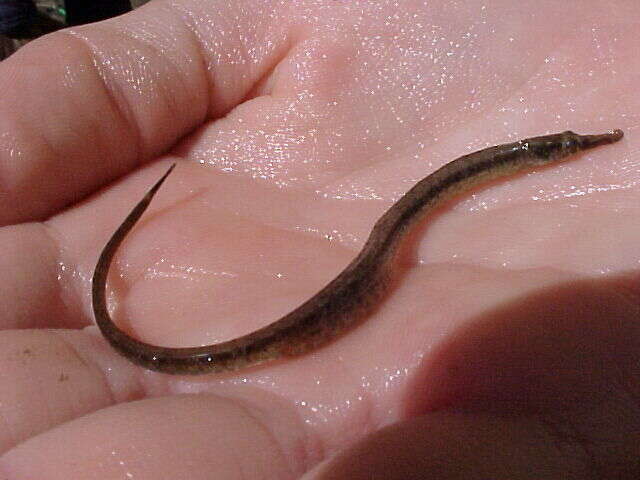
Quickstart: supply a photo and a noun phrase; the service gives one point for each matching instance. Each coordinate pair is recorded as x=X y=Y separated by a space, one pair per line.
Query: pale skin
x=491 y=347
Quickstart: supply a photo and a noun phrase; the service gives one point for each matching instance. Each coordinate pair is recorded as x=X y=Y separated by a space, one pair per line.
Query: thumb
x=544 y=388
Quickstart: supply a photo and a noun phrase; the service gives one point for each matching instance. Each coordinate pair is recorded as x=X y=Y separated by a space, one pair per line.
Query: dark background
x=24 y=20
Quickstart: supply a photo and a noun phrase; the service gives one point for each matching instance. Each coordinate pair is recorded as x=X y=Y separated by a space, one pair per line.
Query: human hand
x=296 y=124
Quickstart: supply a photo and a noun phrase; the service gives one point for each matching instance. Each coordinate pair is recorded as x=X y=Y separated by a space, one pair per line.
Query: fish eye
x=570 y=144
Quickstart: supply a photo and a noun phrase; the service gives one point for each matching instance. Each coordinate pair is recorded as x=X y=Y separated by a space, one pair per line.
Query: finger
x=71 y=368
x=30 y=272
x=187 y=436
x=88 y=104
x=49 y=378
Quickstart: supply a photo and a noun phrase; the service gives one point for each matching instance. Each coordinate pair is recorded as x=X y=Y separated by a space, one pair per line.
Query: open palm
x=502 y=349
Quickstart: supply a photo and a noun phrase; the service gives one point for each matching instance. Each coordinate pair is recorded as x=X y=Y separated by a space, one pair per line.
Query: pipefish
x=342 y=302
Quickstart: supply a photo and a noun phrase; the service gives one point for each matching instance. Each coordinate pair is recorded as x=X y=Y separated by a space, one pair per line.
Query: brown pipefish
x=357 y=288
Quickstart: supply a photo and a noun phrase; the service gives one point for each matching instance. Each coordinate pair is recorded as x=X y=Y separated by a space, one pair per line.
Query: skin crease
x=321 y=145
